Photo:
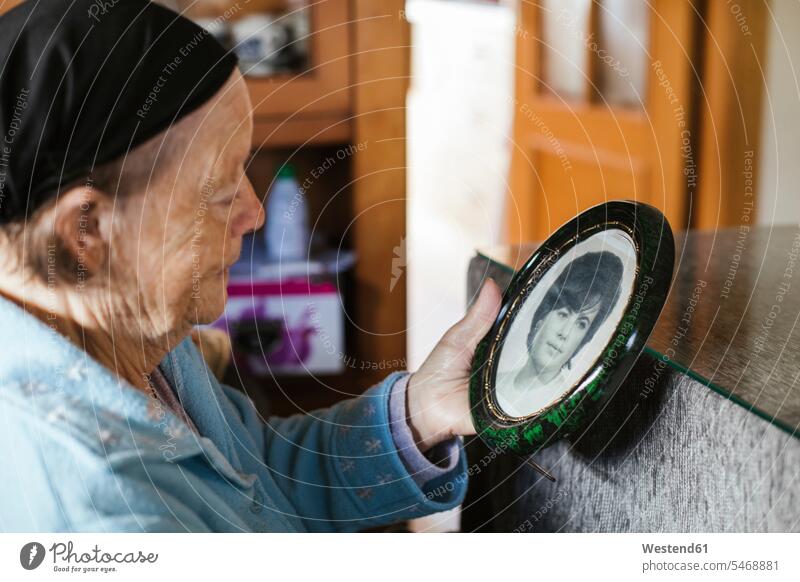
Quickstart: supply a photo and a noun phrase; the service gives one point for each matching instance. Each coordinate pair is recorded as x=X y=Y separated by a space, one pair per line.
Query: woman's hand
x=437 y=398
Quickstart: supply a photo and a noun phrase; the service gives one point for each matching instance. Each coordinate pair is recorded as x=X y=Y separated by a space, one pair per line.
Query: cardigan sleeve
x=436 y=462
x=340 y=466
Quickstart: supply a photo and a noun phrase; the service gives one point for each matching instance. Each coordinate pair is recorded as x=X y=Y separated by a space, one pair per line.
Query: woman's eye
x=582 y=325
x=225 y=198
x=561 y=313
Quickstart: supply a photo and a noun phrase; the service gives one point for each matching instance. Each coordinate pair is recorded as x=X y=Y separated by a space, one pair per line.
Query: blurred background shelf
x=311 y=104
x=339 y=120
x=301 y=131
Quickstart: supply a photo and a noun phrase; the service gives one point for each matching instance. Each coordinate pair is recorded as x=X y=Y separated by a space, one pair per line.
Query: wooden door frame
x=381 y=68
x=730 y=100
x=675 y=22
x=721 y=101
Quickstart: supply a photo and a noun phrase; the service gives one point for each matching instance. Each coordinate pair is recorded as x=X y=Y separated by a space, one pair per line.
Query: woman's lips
x=554 y=347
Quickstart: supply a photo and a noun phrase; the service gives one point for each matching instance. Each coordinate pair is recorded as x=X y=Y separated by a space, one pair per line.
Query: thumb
x=481 y=314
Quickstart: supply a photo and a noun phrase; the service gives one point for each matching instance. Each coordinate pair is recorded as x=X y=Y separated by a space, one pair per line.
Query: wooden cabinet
x=350 y=98
x=348 y=105
x=312 y=106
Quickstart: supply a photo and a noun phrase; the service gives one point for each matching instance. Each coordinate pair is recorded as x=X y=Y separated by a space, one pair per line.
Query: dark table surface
x=731 y=320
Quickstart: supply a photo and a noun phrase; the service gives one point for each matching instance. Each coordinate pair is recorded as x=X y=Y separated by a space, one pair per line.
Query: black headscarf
x=84 y=81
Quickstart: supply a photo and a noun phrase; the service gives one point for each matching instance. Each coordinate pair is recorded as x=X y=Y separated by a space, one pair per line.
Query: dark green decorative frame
x=655 y=259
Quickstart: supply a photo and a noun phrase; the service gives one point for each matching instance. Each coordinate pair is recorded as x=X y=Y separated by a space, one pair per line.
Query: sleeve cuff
x=369 y=465
x=423 y=468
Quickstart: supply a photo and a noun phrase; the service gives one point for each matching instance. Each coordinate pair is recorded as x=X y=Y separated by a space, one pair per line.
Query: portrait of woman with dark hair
x=569 y=315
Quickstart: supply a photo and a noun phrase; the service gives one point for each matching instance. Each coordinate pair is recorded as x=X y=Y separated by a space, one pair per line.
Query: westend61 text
x=670 y=549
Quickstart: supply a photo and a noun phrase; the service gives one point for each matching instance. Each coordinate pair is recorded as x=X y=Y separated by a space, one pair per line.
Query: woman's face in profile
x=559 y=335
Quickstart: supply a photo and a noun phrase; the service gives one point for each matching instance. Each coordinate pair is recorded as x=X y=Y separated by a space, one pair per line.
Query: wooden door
x=603 y=110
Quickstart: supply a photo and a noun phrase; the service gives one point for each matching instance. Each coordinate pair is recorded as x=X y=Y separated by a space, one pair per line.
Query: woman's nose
x=252 y=217
x=566 y=327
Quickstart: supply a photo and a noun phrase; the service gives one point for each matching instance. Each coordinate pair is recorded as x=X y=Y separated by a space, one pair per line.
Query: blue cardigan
x=82 y=450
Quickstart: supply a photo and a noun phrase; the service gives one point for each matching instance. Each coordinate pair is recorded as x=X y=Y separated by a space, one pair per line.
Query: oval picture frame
x=549 y=413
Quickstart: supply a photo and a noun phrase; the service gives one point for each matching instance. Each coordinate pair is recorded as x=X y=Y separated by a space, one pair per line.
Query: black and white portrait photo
x=565 y=323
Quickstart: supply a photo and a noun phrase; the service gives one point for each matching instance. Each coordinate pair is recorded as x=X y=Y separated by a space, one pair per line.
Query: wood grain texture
x=570 y=154
x=381 y=72
x=322 y=91
x=6 y=5
x=730 y=112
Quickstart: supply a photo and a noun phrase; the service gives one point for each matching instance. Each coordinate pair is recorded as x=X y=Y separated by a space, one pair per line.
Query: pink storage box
x=289 y=327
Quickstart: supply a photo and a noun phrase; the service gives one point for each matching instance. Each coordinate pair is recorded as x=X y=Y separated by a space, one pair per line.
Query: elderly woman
x=123 y=203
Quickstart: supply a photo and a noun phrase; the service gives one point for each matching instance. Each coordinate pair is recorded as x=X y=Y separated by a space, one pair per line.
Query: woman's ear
x=82 y=225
